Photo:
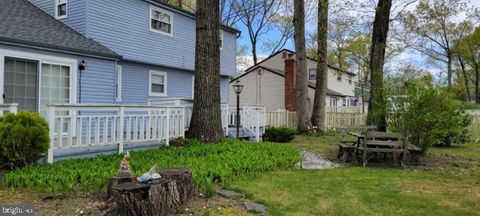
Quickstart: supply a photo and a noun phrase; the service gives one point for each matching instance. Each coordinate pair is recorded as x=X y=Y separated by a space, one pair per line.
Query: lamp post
x=237 y=88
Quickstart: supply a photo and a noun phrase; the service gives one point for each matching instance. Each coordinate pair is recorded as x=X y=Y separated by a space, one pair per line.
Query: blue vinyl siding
x=76 y=12
x=123 y=26
x=97 y=81
x=135 y=81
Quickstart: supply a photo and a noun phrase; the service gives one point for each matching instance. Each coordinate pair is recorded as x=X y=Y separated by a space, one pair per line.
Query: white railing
x=11 y=108
x=84 y=125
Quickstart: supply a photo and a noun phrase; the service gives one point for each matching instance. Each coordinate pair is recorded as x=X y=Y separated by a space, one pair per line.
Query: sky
x=411 y=57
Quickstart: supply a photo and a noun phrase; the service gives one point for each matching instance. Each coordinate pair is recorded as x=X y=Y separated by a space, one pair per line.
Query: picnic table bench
x=378 y=142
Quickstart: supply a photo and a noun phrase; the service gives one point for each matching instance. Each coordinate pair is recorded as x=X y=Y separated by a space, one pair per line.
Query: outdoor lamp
x=238 y=87
x=82 y=66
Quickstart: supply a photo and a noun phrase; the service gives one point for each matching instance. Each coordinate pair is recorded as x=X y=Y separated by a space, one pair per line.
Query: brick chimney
x=290 y=84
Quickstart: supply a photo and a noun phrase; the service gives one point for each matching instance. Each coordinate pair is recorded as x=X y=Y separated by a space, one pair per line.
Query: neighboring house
x=134 y=51
x=272 y=83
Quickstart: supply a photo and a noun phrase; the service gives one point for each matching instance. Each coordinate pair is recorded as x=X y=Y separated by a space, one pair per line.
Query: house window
x=221 y=39
x=158 y=83
x=339 y=78
x=350 y=80
x=161 y=21
x=60 y=9
x=118 y=84
x=312 y=74
x=54 y=86
x=333 y=102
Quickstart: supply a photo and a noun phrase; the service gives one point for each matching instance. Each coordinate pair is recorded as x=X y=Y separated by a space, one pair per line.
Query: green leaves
x=210 y=163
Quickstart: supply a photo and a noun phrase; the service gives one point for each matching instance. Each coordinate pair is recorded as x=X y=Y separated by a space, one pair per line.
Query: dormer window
x=221 y=39
x=161 y=21
x=60 y=9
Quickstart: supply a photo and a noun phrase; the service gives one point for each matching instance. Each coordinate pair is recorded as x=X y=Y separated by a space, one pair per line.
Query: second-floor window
x=350 y=80
x=60 y=9
x=161 y=21
x=339 y=78
x=158 y=83
x=312 y=74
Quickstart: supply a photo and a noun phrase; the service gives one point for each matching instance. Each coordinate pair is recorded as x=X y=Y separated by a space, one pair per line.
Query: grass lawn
x=448 y=185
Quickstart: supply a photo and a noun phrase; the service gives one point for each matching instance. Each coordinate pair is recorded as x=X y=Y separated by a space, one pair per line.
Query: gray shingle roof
x=22 y=23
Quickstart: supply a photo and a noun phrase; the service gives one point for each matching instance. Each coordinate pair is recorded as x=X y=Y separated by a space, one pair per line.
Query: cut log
x=116 y=180
x=183 y=179
x=143 y=199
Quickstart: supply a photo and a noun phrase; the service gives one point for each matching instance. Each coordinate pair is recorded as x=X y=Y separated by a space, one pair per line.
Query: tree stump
x=183 y=179
x=116 y=180
x=135 y=199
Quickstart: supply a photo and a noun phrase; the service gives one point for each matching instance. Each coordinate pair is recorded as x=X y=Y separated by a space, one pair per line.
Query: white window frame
x=222 y=39
x=40 y=58
x=163 y=11
x=309 y=74
x=119 y=80
x=165 y=82
x=60 y=2
x=333 y=101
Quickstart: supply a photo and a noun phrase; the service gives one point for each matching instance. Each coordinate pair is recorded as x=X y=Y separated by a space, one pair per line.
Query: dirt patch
x=96 y=204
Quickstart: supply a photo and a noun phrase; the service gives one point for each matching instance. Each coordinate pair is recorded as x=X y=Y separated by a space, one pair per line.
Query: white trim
x=163 y=11
x=165 y=82
x=222 y=37
x=57 y=3
x=118 y=82
x=41 y=58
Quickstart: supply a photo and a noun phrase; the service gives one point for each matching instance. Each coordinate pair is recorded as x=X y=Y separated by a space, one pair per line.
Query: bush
x=210 y=164
x=279 y=134
x=432 y=116
x=23 y=138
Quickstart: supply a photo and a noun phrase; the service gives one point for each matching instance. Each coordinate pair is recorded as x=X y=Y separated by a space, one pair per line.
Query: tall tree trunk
x=318 y=113
x=449 y=70
x=206 y=121
x=465 y=79
x=254 y=53
x=377 y=107
x=477 y=83
x=301 y=84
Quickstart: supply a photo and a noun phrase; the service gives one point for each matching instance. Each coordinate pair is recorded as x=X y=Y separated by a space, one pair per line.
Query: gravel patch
x=314 y=161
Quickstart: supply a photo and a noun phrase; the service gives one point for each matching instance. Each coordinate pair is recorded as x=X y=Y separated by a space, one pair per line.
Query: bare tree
x=433 y=30
x=318 y=113
x=377 y=109
x=206 y=121
x=301 y=55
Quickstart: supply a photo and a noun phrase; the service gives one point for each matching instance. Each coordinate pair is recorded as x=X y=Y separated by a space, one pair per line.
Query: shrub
x=210 y=164
x=432 y=116
x=279 y=134
x=23 y=138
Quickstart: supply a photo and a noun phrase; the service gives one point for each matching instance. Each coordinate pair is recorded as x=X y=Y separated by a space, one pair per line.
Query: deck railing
x=85 y=125
x=11 y=108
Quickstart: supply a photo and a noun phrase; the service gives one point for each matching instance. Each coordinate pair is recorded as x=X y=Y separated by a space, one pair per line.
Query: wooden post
x=167 y=130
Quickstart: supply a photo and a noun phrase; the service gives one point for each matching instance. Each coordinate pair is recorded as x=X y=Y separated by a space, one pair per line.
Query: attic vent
x=284 y=55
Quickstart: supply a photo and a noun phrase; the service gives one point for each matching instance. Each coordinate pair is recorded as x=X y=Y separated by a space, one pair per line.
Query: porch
x=80 y=130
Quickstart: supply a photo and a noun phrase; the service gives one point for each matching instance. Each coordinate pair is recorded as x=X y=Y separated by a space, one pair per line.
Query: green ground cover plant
x=210 y=163
x=279 y=134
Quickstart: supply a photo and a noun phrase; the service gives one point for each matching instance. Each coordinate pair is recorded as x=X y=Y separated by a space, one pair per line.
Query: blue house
x=124 y=54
